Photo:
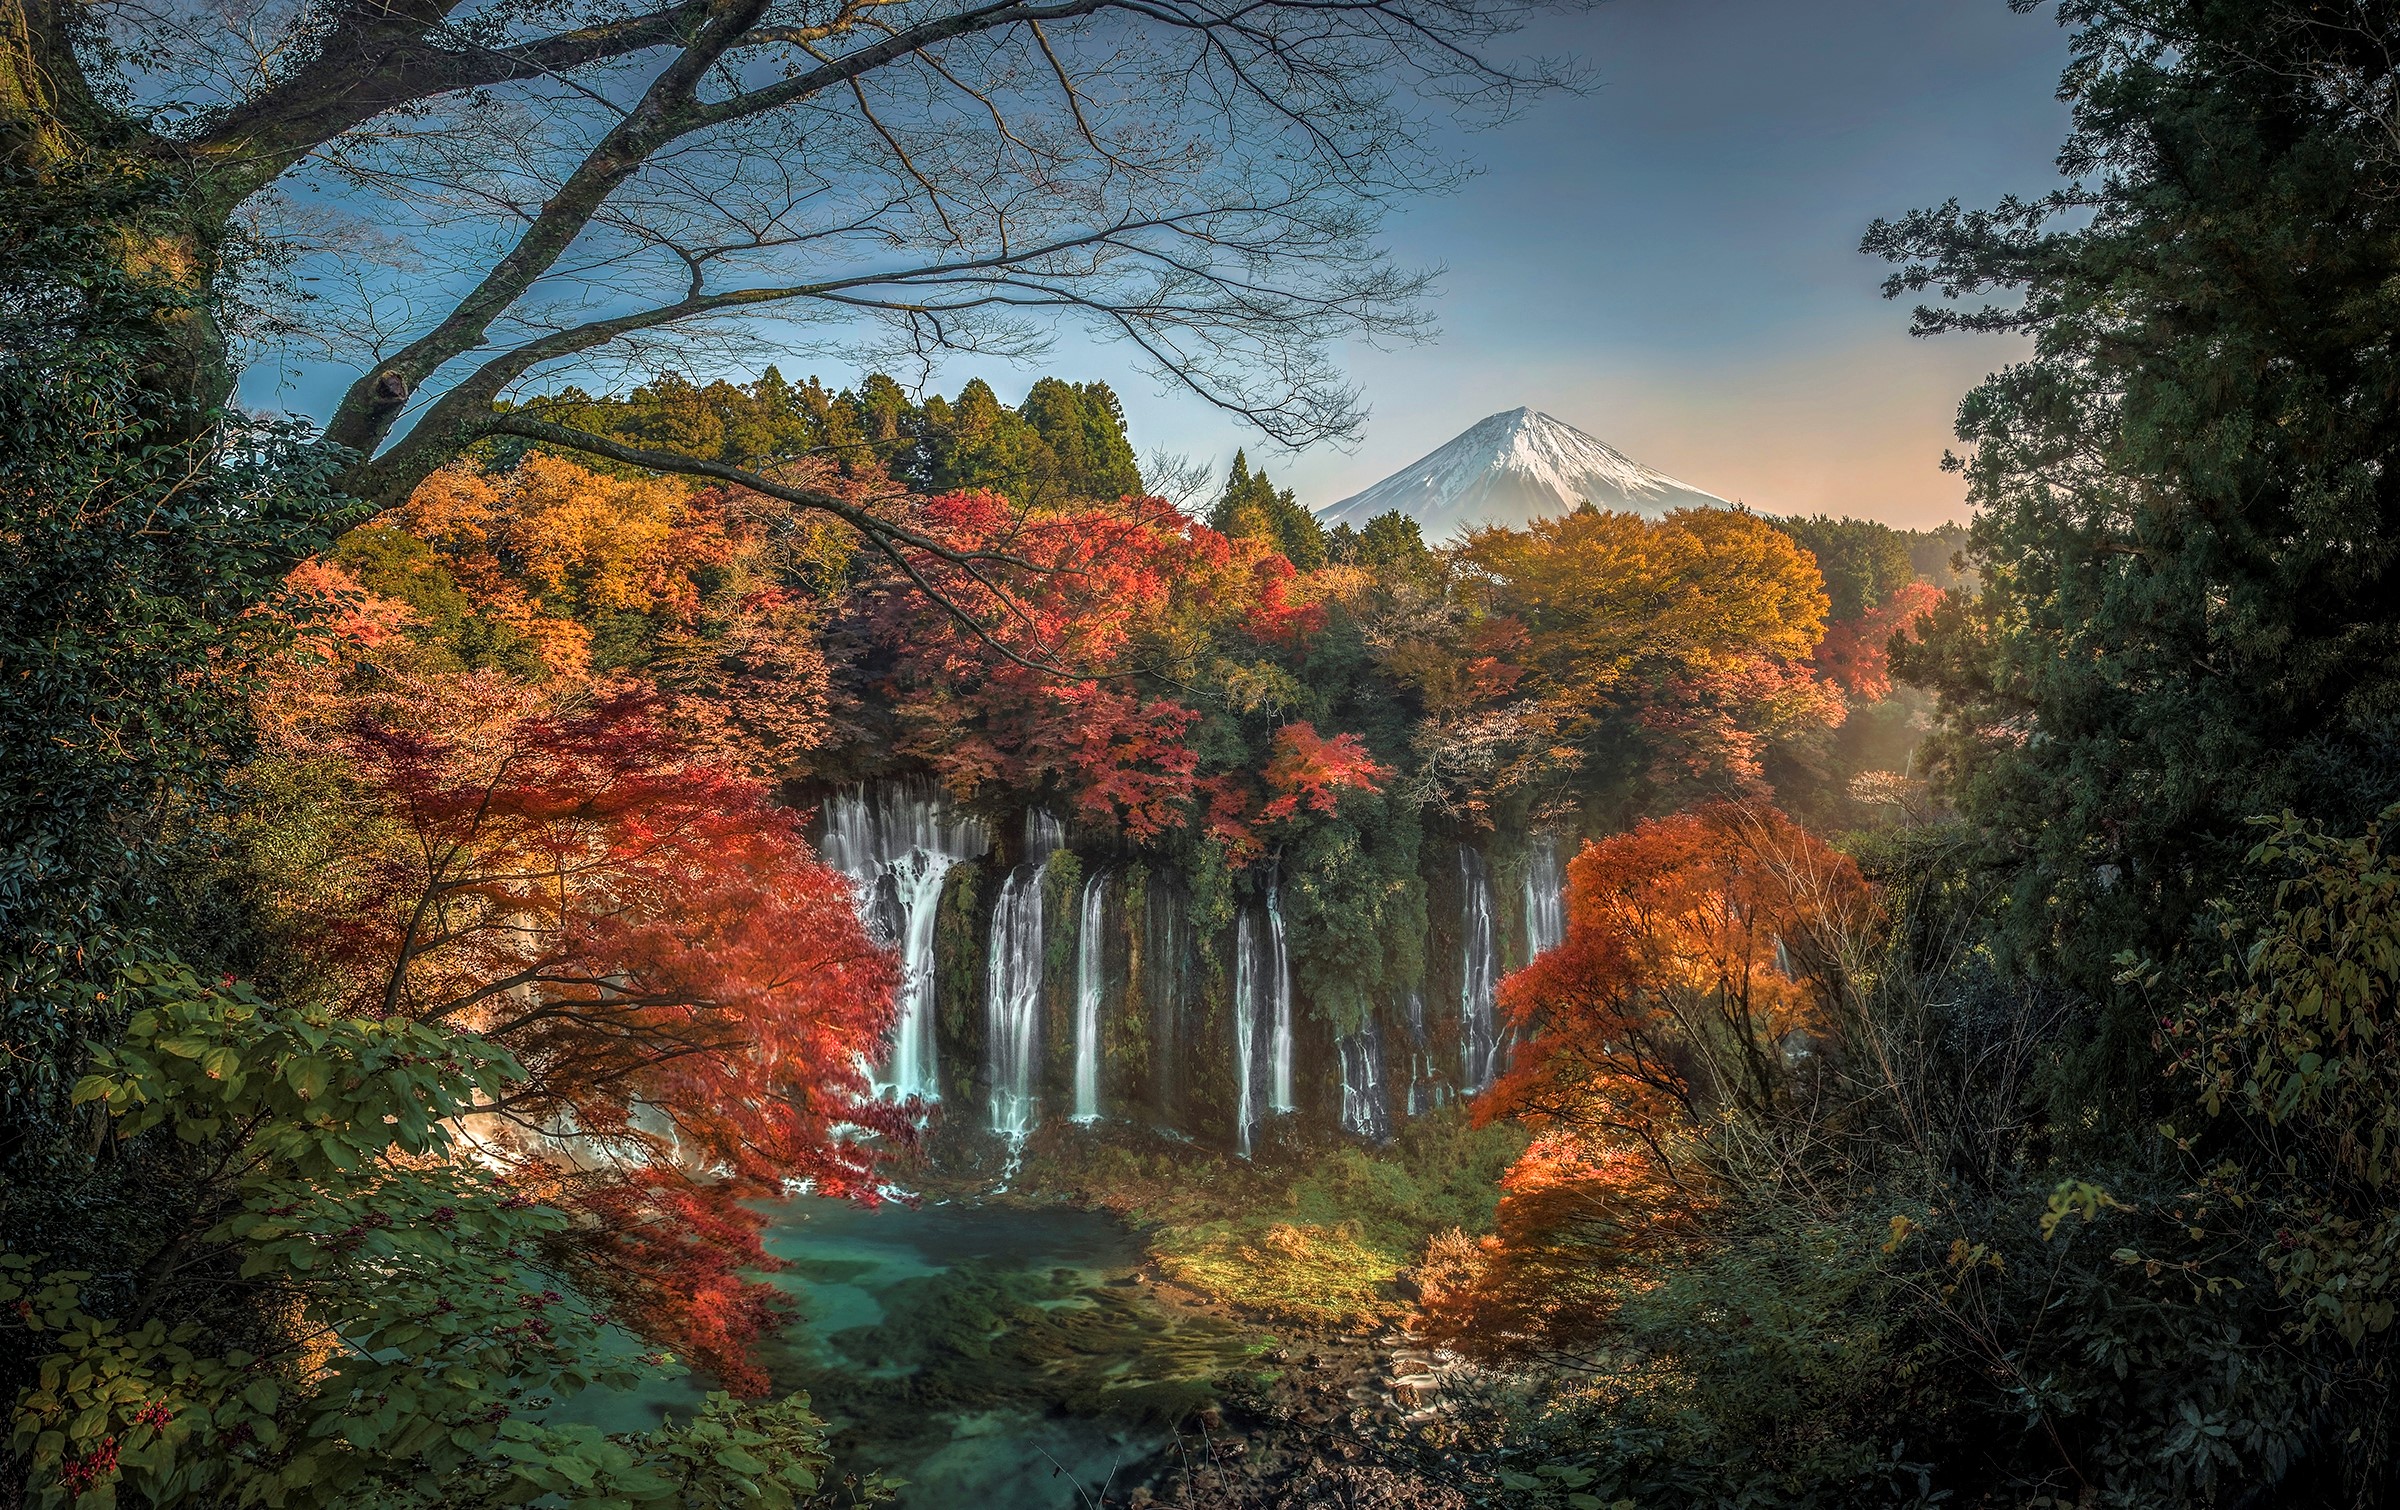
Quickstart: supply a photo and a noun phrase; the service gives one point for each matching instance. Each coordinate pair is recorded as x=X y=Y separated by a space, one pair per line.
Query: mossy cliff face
x=960 y=959
x=1378 y=960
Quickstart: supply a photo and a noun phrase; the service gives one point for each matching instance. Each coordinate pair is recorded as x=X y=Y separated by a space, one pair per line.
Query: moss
x=1319 y=1276
x=1315 y=1236
x=958 y=963
x=1062 y=914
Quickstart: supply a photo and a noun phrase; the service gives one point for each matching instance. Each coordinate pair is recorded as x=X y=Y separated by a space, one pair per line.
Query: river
x=1000 y=1356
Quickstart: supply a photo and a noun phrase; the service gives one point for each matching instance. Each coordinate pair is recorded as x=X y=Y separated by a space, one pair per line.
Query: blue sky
x=1670 y=262
x=1669 y=259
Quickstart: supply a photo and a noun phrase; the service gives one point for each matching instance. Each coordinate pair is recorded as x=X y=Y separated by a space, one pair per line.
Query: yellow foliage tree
x=1698 y=626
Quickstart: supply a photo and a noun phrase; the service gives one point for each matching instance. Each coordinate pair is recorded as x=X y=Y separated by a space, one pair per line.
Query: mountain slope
x=1515 y=467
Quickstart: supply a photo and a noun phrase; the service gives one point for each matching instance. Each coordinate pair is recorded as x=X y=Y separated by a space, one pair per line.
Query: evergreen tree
x=1252 y=508
x=2188 y=498
x=1393 y=540
x=1084 y=427
x=1864 y=562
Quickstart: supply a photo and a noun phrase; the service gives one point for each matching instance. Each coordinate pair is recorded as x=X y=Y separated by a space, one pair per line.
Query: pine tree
x=2188 y=498
x=1252 y=508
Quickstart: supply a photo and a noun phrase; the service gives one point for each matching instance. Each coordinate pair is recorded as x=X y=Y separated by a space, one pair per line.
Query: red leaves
x=688 y=989
x=1307 y=770
x=1719 y=720
x=669 y=1256
x=1855 y=654
x=1274 y=619
x=1108 y=583
x=639 y=927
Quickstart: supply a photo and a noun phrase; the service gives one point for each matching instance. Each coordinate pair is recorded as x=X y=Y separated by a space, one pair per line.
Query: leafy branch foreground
x=422 y=1331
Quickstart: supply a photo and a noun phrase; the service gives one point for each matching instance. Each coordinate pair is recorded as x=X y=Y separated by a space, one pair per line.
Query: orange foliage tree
x=1697 y=998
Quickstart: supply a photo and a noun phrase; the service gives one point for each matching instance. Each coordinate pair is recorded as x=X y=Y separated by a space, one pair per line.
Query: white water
x=903 y=835
x=1478 y=979
x=1279 y=1053
x=1366 y=1111
x=1545 y=899
x=1090 y=980
x=1245 y=1015
x=1424 y=1086
x=1013 y=998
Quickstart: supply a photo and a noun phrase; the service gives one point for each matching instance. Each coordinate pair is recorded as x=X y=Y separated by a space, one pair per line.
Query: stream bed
x=998 y=1356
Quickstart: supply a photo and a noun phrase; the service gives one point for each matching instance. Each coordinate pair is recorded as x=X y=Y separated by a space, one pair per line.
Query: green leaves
x=2294 y=1037
x=413 y=1339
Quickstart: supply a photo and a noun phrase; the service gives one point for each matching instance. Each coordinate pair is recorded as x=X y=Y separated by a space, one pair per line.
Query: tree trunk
x=68 y=154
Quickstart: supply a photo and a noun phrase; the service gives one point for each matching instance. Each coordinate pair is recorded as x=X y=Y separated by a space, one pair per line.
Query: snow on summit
x=1515 y=467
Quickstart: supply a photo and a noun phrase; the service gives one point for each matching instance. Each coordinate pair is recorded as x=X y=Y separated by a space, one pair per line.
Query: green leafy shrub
x=356 y=1311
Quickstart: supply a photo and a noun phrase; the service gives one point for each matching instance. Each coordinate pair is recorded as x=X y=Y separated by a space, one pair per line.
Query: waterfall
x=1478 y=981
x=1279 y=1053
x=1168 y=948
x=896 y=841
x=1545 y=899
x=1013 y=997
x=1245 y=1017
x=1424 y=1083
x=1366 y=1110
x=1090 y=965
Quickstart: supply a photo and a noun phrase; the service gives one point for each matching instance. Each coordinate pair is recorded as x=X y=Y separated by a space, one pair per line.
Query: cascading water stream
x=1090 y=981
x=1279 y=1051
x=1013 y=999
x=1245 y=1019
x=1366 y=1110
x=897 y=841
x=1478 y=977
x=1545 y=899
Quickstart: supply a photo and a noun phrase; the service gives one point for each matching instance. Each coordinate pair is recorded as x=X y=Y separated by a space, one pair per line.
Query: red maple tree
x=1305 y=770
x=1856 y=652
x=689 y=991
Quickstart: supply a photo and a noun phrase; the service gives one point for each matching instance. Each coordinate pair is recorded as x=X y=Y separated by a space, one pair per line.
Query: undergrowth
x=1304 y=1234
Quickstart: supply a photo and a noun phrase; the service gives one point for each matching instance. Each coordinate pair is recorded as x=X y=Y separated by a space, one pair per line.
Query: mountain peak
x=1514 y=467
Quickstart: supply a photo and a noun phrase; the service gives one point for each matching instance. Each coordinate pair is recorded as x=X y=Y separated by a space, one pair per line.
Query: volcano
x=1511 y=469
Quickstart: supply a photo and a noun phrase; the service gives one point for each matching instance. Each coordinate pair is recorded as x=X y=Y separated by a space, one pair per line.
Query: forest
x=523 y=899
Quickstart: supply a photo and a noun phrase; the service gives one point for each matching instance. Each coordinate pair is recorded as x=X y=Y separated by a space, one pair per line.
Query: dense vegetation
x=414 y=963
x=2034 y=1153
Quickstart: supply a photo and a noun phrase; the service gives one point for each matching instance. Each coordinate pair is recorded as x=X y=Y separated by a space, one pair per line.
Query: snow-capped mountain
x=1512 y=468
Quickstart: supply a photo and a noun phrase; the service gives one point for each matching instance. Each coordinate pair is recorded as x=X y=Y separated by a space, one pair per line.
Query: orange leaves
x=1307 y=770
x=1698 y=625
x=1698 y=988
x=1579 y=1224
x=1854 y=653
x=549 y=546
x=329 y=602
x=565 y=534
x=1605 y=597
x=1694 y=970
x=757 y=694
